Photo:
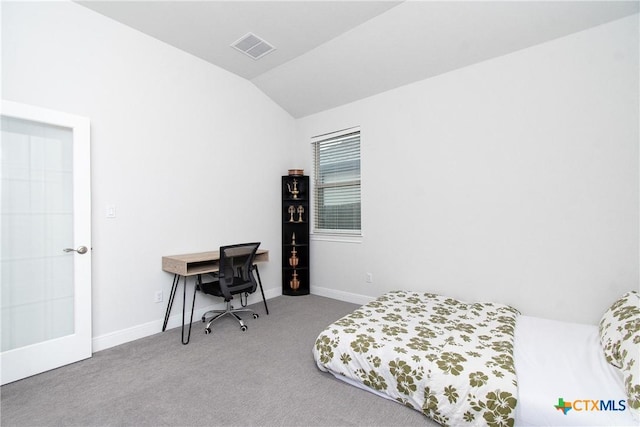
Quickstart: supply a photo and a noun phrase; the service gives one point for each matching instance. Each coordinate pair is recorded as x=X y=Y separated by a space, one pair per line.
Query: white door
x=45 y=256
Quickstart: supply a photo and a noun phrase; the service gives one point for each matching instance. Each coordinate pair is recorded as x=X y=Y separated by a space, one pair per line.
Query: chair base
x=217 y=314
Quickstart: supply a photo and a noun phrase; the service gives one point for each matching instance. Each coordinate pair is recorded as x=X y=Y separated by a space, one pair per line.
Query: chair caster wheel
x=207 y=331
x=255 y=315
x=243 y=328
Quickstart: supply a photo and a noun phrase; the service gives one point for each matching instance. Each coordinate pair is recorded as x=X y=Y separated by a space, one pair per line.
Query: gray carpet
x=264 y=376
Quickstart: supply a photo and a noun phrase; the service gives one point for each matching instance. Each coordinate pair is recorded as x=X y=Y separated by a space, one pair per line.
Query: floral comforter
x=451 y=360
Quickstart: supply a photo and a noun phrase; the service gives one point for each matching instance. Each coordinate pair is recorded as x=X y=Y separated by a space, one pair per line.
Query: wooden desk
x=200 y=263
x=196 y=264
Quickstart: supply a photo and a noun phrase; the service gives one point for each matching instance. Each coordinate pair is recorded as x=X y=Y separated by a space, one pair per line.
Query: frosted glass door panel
x=45 y=229
x=37 y=223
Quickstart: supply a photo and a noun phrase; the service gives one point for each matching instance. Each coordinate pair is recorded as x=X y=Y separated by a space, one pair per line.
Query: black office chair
x=235 y=277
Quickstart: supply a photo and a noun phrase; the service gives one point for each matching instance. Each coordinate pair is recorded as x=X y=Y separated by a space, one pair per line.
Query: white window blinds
x=336 y=158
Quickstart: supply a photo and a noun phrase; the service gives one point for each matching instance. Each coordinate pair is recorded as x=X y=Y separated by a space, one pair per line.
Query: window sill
x=339 y=238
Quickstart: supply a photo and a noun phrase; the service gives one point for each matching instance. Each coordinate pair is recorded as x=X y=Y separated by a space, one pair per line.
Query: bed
x=463 y=363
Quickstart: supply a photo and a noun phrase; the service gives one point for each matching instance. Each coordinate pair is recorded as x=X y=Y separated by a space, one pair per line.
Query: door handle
x=81 y=250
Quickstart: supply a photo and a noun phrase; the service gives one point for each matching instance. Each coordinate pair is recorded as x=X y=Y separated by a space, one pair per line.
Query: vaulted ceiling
x=329 y=53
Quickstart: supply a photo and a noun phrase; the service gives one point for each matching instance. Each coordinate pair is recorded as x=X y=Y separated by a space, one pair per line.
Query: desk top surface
x=200 y=262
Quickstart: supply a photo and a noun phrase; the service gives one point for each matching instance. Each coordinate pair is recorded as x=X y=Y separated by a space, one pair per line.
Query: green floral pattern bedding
x=451 y=360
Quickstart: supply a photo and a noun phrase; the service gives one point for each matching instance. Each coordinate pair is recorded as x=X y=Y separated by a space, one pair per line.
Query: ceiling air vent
x=253 y=46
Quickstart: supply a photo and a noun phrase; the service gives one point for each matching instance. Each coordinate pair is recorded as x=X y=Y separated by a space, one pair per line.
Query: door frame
x=32 y=359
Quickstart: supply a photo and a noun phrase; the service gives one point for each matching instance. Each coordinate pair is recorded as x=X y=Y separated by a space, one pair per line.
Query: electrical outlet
x=369 y=278
x=158 y=296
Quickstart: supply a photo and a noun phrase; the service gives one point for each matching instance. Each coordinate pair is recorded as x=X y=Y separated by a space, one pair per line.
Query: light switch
x=111 y=211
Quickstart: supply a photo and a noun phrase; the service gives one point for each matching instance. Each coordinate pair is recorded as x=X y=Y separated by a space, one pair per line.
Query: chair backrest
x=236 y=269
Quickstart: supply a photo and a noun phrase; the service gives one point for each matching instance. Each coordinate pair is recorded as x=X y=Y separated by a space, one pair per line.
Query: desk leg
x=172 y=294
x=261 y=290
x=193 y=303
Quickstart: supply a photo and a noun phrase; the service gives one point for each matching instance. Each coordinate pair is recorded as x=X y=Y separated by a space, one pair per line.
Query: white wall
x=190 y=154
x=513 y=180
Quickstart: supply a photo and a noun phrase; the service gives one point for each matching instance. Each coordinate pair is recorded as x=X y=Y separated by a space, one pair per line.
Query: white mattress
x=564 y=360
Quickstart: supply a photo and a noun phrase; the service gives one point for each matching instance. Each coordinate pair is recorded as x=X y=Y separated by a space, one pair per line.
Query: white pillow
x=620 y=339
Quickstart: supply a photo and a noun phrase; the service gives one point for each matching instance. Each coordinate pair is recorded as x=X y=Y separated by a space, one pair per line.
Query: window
x=336 y=158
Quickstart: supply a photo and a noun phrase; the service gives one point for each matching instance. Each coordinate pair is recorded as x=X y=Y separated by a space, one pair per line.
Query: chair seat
x=238 y=286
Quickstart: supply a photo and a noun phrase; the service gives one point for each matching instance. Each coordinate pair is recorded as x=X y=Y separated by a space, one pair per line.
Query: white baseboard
x=123 y=336
x=340 y=295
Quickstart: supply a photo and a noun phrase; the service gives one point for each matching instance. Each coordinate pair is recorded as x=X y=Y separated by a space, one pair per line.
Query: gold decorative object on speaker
x=294 y=282
x=294 y=191
x=292 y=210
x=300 y=212
x=293 y=259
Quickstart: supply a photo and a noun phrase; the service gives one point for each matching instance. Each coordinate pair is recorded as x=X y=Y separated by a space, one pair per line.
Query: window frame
x=335 y=234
